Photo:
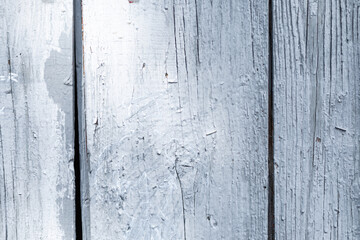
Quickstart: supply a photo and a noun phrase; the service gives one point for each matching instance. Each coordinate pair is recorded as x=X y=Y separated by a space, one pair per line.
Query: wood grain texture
x=317 y=119
x=175 y=112
x=36 y=120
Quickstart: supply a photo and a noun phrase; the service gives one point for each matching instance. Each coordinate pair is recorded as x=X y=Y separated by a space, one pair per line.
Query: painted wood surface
x=36 y=120
x=175 y=110
x=317 y=119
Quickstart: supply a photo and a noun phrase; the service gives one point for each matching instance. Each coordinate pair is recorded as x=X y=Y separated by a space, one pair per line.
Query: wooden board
x=317 y=119
x=36 y=120
x=175 y=109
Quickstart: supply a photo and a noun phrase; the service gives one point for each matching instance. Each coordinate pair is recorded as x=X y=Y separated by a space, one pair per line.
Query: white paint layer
x=175 y=113
x=36 y=120
x=317 y=119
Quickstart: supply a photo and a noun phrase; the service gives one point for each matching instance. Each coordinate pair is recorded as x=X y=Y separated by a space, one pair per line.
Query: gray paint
x=36 y=129
x=59 y=77
x=317 y=121
x=175 y=113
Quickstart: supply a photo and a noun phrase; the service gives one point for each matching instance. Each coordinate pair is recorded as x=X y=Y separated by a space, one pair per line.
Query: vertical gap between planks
x=77 y=60
x=271 y=177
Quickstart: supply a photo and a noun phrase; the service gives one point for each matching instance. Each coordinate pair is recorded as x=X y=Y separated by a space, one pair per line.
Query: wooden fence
x=179 y=119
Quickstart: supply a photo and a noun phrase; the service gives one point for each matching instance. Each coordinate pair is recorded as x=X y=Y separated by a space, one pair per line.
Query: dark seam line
x=271 y=189
x=78 y=212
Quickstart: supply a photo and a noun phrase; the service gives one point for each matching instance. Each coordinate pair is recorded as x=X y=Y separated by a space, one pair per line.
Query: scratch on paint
x=210 y=133
x=172 y=81
x=341 y=129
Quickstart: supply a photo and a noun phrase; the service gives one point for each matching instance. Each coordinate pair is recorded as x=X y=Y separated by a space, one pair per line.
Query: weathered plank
x=36 y=120
x=317 y=119
x=175 y=98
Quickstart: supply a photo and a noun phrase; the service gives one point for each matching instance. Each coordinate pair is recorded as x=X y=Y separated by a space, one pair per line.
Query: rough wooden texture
x=176 y=119
x=36 y=120
x=317 y=119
